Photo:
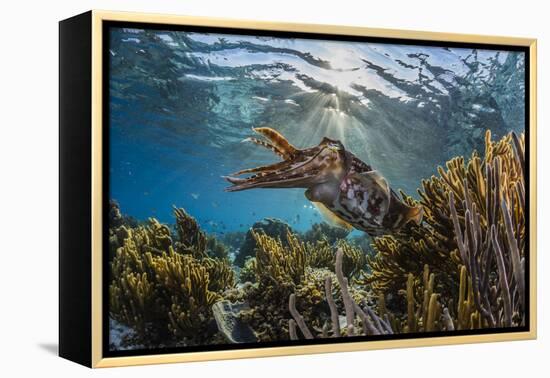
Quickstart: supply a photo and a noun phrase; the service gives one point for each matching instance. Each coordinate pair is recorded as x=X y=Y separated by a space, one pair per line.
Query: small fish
x=195 y=196
x=215 y=204
x=343 y=187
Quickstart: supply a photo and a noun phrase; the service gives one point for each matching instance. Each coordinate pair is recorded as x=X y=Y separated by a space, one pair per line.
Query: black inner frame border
x=105 y=97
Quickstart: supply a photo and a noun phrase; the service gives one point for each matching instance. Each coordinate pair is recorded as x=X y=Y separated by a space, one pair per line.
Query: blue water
x=182 y=103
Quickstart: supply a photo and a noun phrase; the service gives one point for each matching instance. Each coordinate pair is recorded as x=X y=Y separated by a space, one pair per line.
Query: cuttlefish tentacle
x=263 y=168
x=265 y=144
x=345 y=186
x=281 y=144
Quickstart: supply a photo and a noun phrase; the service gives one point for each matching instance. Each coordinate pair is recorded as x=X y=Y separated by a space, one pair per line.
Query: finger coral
x=425 y=312
x=191 y=239
x=165 y=295
x=277 y=264
x=354 y=259
x=220 y=273
x=360 y=319
x=247 y=272
x=186 y=283
x=272 y=227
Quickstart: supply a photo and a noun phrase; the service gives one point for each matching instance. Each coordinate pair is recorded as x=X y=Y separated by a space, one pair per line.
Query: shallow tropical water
x=182 y=103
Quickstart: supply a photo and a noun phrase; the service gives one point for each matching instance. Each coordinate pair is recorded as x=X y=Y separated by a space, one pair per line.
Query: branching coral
x=319 y=254
x=164 y=295
x=475 y=217
x=425 y=312
x=133 y=296
x=398 y=255
x=151 y=237
x=278 y=262
x=191 y=240
x=494 y=227
x=248 y=271
x=272 y=227
x=354 y=259
x=187 y=283
x=282 y=269
x=275 y=264
x=215 y=248
x=131 y=293
x=220 y=273
x=356 y=315
x=324 y=231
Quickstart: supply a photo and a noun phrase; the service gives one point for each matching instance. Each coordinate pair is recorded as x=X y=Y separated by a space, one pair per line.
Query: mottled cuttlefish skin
x=335 y=179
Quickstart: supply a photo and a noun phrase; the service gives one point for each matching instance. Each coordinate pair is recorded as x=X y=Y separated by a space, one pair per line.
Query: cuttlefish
x=342 y=186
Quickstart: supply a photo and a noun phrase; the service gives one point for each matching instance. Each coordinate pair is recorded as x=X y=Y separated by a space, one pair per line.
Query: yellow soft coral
x=165 y=295
x=474 y=216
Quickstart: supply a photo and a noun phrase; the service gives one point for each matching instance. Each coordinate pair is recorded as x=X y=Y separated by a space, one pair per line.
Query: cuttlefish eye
x=335 y=146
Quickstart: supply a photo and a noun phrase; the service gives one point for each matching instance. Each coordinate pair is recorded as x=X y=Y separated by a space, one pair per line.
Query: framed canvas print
x=234 y=189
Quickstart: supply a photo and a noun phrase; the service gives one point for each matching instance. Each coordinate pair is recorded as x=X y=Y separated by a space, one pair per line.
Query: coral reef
x=472 y=240
x=363 y=241
x=474 y=217
x=187 y=283
x=271 y=227
x=462 y=268
x=277 y=264
x=287 y=261
x=166 y=296
x=319 y=254
x=281 y=268
x=359 y=318
x=324 y=231
x=248 y=271
x=191 y=239
x=424 y=313
x=354 y=259
x=220 y=272
x=215 y=248
x=424 y=310
x=233 y=239
x=117 y=219
x=230 y=324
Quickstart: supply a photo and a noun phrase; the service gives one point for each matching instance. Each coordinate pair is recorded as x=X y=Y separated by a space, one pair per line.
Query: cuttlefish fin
x=278 y=141
x=332 y=218
x=404 y=213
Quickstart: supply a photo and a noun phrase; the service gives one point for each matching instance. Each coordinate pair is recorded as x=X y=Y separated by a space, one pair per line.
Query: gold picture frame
x=92 y=333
